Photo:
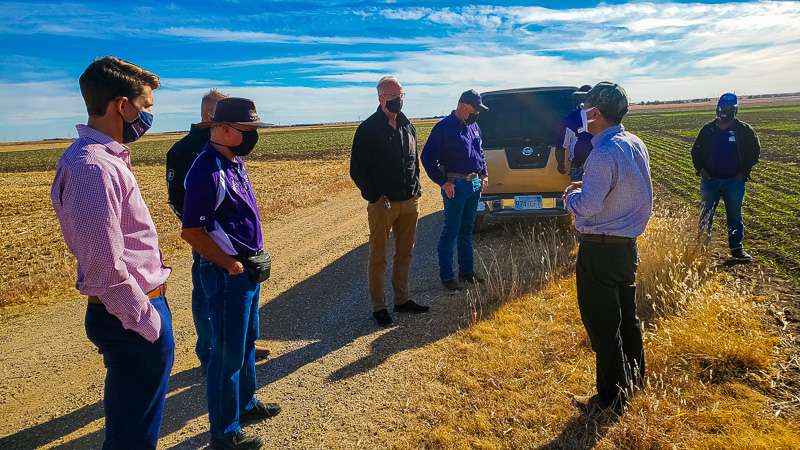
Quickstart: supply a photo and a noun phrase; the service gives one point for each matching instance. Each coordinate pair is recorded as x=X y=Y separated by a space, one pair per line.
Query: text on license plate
x=524 y=202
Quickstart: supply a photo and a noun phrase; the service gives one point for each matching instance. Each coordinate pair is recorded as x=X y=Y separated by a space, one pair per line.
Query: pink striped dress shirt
x=108 y=228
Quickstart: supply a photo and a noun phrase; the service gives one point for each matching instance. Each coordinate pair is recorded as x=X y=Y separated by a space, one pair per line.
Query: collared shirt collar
x=87 y=132
x=227 y=162
x=457 y=120
x=607 y=133
x=401 y=118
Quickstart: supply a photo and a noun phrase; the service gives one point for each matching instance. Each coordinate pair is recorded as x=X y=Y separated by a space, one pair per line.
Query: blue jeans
x=200 y=314
x=137 y=375
x=233 y=306
x=459 y=220
x=731 y=191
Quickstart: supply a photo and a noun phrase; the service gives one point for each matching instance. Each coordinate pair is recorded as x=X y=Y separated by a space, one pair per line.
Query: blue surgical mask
x=136 y=128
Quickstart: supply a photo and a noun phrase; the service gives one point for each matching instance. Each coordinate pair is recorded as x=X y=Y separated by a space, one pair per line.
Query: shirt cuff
x=568 y=200
x=150 y=326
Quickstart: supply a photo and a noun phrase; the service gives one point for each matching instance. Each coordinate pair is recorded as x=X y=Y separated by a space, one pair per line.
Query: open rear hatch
x=520 y=133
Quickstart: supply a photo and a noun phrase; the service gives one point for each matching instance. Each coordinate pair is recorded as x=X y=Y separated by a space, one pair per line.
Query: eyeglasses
x=386 y=96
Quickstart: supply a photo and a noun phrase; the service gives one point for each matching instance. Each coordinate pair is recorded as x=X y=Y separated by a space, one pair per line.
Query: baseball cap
x=610 y=98
x=728 y=105
x=471 y=97
x=728 y=99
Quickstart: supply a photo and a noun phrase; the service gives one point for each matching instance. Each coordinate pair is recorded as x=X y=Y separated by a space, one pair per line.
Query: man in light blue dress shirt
x=612 y=206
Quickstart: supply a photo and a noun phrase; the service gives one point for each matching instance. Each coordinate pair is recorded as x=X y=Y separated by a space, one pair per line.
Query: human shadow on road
x=330 y=310
x=322 y=314
x=583 y=431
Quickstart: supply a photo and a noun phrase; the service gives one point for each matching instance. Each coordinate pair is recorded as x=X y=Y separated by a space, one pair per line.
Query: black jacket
x=384 y=161
x=747 y=146
x=179 y=160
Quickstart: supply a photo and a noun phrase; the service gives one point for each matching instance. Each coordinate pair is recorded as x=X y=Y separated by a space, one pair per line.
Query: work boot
x=382 y=317
x=740 y=255
x=452 y=285
x=237 y=441
x=411 y=307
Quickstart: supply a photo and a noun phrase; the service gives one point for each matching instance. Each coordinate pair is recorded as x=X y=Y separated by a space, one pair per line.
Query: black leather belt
x=605 y=239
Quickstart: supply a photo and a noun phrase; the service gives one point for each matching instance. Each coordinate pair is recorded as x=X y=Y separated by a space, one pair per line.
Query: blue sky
x=318 y=61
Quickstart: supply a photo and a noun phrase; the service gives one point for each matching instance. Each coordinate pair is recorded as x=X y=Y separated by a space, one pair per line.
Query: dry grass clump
x=36 y=267
x=537 y=253
x=506 y=381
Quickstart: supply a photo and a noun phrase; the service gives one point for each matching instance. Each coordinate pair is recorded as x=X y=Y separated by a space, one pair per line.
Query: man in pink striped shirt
x=108 y=229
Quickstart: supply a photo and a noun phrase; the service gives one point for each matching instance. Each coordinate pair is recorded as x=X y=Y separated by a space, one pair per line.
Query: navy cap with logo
x=727 y=106
x=471 y=97
x=237 y=111
x=610 y=98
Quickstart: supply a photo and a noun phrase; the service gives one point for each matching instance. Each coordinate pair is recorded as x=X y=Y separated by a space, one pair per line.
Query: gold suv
x=521 y=133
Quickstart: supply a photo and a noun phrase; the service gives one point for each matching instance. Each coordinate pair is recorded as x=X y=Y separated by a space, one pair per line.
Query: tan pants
x=402 y=219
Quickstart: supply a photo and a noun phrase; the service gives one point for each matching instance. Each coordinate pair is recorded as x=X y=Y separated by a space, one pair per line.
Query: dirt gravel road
x=342 y=381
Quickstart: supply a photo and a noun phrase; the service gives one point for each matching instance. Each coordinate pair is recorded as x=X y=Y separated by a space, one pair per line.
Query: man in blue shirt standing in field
x=724 y=153
x=612 y=206
x=453 y=158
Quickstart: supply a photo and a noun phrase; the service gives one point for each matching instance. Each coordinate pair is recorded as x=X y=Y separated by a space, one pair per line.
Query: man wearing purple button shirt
x=108 y=228
x=221 y=222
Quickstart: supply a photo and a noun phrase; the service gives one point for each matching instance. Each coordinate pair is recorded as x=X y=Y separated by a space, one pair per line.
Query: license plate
x=523 y=202
x=481 y=206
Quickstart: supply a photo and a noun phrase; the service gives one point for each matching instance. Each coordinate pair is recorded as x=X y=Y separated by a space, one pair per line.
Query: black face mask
x=249 y=140
x=394 y=105
x=472 y=118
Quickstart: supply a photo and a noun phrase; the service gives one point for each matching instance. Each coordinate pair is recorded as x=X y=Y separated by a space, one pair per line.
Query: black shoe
x=238 y=441
x=740 y=255
x=471 y=278
x=382 y=317
x=411 y=307
x=260 y=411
x=452 y=285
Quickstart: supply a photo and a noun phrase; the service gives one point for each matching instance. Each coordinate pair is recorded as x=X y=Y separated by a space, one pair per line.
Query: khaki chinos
x=401 y=218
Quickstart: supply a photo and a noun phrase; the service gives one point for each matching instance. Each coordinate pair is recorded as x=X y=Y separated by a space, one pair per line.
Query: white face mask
x=585 y=120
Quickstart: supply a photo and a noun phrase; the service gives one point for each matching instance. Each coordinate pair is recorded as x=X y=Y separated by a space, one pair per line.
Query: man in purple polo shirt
x=453 y=158
x=221 y=222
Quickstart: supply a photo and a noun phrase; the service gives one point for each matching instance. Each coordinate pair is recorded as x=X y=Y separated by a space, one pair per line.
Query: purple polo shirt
x=453 y=147
x=220 y=198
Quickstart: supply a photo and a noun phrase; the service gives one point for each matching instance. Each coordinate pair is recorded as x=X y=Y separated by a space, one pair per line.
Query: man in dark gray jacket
x=724 y=153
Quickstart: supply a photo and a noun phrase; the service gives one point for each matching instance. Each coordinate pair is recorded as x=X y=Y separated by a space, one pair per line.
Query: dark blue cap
x=471 y=97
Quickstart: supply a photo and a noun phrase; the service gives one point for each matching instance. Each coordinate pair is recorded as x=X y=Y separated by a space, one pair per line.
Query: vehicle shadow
x=322 y=314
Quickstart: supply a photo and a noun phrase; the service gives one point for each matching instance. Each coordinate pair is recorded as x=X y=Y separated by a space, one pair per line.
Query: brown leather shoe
x=261 y=350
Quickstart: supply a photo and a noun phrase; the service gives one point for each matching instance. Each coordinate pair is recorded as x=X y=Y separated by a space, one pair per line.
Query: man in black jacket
x=385 y=166
x=179 y=160
x=724 y=153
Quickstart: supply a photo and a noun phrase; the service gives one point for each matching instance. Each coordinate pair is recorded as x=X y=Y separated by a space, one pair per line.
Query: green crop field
x=771 y=206
x=274 y=144
x=772 y=203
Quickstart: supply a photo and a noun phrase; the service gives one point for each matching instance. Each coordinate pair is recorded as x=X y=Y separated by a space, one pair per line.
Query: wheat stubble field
x=489 y=370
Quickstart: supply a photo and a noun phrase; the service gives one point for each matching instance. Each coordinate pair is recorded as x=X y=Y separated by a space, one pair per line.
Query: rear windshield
x=529 y=118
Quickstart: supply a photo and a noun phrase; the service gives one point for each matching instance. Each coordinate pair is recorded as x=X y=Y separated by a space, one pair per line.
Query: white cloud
x=656 y=50
x=225 y=35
